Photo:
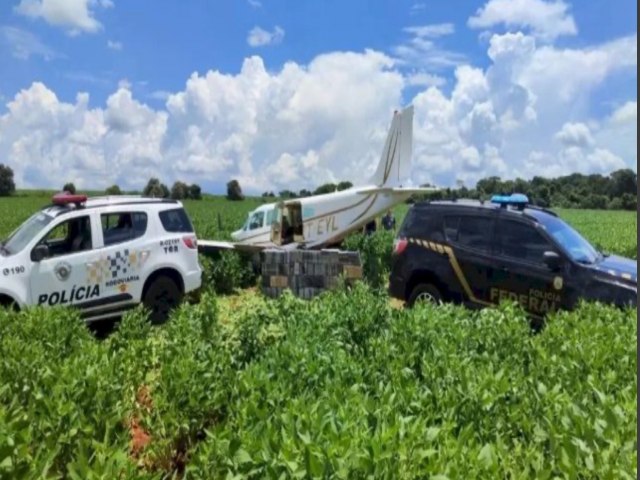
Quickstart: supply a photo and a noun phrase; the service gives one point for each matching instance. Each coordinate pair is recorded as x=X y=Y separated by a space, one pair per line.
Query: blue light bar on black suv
x=516 y=199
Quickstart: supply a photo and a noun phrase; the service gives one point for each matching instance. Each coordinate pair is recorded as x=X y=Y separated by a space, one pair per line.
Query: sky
x=290 y=95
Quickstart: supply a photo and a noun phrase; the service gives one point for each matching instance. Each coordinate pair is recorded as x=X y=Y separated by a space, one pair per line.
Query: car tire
x=9 y=303
x=162 y=296
x=425 y=292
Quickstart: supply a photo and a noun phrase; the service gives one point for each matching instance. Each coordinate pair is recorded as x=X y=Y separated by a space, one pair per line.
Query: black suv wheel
x=425 y=292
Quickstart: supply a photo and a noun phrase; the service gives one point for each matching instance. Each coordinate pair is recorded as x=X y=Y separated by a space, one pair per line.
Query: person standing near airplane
x=370 y=228
x=389 y=221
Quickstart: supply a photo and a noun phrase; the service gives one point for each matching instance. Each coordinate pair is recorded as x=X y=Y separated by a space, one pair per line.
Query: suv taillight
x=399 y=245
x=190 y=241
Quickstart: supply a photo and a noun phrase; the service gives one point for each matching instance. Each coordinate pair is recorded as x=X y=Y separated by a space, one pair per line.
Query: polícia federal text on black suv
x=481 y=253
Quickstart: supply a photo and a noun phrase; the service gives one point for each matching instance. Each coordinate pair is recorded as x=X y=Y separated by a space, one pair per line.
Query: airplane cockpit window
x=256 y=220
x=272 y=216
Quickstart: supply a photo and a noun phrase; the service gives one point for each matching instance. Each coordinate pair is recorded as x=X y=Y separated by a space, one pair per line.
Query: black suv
x=481 y=253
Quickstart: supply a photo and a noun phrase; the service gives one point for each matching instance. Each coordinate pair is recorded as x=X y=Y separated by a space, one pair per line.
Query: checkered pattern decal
x=119 y=265
x=115 y=265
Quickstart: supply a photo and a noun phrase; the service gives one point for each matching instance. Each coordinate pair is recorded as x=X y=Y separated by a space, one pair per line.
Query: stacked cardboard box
x=307 y=273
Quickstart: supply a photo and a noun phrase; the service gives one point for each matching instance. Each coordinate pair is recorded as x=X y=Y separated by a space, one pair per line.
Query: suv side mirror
x=40 y=252
x=552 y=260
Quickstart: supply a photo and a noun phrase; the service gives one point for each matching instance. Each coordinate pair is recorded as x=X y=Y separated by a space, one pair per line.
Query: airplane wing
x=207 y=246
x=409 y=190
x=212 y=246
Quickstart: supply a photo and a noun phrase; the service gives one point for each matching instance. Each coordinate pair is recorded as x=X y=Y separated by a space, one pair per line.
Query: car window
x=123 y=226
x=407 y=228
x=450 y=225
x=70 y=236
x=522 y=242
x=436 y=230
x=58 y=233
x=469 y=231
x=256 y=220
x=422 y=223
x=26 y=232
x=575 y=244
x=176 y=220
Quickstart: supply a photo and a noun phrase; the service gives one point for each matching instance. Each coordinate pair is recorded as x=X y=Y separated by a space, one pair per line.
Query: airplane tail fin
x=395 y=162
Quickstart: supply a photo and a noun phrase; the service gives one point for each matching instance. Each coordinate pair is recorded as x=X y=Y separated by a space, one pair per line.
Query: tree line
x=154 y=188
x=617 y=191
x=234 y=191
x=179 y=190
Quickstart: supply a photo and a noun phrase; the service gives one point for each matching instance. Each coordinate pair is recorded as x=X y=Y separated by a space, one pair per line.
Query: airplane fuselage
x=323 y=220
x=326 y=219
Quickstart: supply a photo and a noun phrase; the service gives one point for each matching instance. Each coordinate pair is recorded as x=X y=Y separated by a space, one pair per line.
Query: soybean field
x=216 y=217
x=345 y=386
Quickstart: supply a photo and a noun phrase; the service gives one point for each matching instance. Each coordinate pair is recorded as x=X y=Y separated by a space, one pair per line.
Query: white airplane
x=324 y=220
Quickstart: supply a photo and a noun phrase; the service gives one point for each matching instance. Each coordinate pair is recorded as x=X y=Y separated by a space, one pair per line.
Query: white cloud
x=580 y=153
x=575 y=135
x=526 y=114
x=255 y=120
x=259 y=37
x=422 y=51
x=113 y=45
x=619 y=132
x=160 y=95
x=603 y=161
x=25 y=44
x=424 y=79
x=566 y=73
x=254 y=3
x=73 y=15
x=418 y=7
x=285 y=129
x=546 y=19
x=432 y=31
x=628 y=113
x=52 y=142
x=219 y=127
x=574 y=159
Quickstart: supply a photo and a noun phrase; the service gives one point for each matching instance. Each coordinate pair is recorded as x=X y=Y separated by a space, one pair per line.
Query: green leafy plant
x=342 y=386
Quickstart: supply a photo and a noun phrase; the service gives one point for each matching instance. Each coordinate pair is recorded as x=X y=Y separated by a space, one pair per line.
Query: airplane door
x=290 y=227
x=295 y=210
x=276 y=227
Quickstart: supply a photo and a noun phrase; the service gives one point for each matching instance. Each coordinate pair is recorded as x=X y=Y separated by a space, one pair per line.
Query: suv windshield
x=574 y=243
x=25 y=233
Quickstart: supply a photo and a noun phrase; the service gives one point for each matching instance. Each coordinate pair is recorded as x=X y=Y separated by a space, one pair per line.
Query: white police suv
x=103 y=255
